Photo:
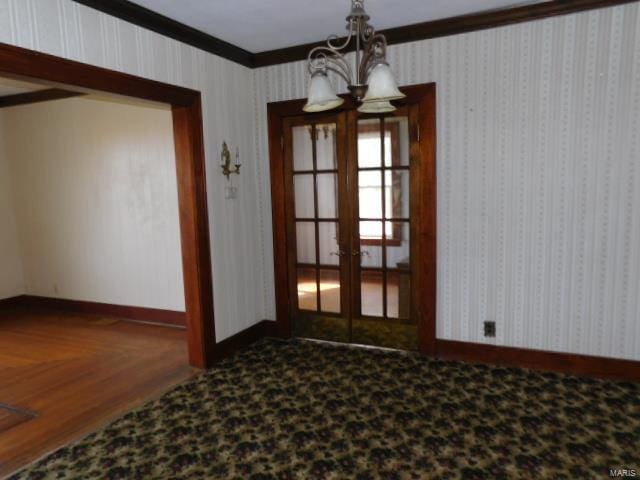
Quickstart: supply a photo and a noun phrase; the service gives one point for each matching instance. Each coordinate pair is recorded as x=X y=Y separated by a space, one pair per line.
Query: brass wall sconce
x=225 y=158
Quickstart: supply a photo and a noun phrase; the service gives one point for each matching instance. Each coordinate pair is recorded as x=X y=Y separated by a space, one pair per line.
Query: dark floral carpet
x=303 y=410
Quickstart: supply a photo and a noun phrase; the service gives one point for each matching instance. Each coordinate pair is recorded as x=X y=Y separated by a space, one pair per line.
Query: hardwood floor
x=63 y=376
x=371 y=294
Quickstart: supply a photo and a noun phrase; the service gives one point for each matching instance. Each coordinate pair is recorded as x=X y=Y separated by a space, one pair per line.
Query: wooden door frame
x=186 y=108
x=426 y=275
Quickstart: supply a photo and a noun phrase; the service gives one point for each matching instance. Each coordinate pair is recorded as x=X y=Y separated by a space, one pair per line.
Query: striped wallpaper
x=538 y=178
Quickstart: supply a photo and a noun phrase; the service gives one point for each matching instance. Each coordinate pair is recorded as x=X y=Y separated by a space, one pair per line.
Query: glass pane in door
x=371 y=293
x=306 y=243
x=397 y=194
x=369 y=143
x=370 y=194
x=330 y=290
x=396 y=142
x=397 y=244
x=326 y=155
x=303 y=191
x=327 y=185
x=399 y=294
x=302 y=148
x=328 y=238
x=307 y=289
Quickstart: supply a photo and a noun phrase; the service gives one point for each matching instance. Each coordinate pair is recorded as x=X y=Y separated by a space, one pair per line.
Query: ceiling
x=15 y=87
x=259 y=25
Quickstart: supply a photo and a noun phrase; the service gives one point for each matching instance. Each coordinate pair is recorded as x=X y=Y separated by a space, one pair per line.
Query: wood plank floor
x=63 y=376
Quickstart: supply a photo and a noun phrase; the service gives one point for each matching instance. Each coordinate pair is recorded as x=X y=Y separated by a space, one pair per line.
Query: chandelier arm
x=334 y=37
x=375 y=52
x=337 y=64
x=367 y=33
x=363 y=68
x=339 y=72
x=321 y=58
x=341 y=68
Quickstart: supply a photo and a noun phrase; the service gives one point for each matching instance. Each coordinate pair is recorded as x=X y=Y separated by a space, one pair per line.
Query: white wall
x=538 y=183
x=11 y=279
x=70 y=30
x=96 y=201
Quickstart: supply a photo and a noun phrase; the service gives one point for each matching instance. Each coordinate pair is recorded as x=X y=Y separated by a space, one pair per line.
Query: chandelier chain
x=370 y=49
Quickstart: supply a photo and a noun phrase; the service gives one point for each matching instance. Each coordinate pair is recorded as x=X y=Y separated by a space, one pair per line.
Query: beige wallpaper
x=538 y=188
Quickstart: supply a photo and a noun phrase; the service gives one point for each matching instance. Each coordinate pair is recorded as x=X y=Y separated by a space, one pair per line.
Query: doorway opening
x=354 y=200
x=58 y=73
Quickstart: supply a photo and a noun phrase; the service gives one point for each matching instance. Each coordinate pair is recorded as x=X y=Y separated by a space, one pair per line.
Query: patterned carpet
x=303 y=410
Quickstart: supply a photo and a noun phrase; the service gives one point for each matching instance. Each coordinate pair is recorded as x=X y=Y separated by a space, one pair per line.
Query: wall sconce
x=225 y=158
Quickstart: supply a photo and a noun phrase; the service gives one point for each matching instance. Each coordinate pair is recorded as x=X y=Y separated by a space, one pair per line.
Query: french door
x=357 y=228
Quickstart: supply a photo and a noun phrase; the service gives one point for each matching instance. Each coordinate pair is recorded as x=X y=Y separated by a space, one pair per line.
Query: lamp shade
x=376 y=107
x=321 y=94
x=382 y=86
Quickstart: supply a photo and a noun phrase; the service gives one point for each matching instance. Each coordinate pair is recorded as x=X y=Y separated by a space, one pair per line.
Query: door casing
x=423 y=190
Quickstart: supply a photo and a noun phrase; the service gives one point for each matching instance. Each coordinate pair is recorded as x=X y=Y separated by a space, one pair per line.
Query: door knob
x=339 y=253
x=364 y=253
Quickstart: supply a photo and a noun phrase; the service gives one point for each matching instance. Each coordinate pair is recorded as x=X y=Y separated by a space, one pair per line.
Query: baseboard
x=574 y=364
x=229 y=346
x=586 y=365
x=140 y=314
x=11 y=302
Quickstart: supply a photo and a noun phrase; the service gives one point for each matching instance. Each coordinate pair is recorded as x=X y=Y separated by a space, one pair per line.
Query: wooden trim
x=353 y=224
x=194 y=231
x=539 y=360
x=316 y=207
x=449 y=26
x=11 y=302
x=140 y=314
x=378 y=242
x=37 y=96
x=20 y=63
x=344 y=224
x=241 y=340
x=279 y=220
x=143 y=17
x=424 y=188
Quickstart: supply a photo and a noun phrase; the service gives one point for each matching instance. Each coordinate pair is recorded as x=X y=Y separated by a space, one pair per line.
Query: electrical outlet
x=489 y=329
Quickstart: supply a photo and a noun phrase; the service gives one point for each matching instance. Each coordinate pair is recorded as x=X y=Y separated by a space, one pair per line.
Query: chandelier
x=369 y=79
